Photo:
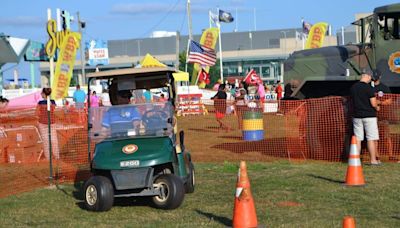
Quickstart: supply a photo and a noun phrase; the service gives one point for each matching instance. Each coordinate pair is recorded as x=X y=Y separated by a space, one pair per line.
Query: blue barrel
x=253 y=126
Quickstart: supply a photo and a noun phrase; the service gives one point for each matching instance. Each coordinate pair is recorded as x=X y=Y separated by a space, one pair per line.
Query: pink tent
x=26 y=100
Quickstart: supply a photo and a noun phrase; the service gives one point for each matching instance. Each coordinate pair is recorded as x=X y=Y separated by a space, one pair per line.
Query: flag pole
x=221 y=70
x=209 y=17
x=189 y=19
x=197 y=79
x=187 y=54
x=303 y=34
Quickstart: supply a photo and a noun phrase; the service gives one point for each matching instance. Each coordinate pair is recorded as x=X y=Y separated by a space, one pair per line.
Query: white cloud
x=24 y=21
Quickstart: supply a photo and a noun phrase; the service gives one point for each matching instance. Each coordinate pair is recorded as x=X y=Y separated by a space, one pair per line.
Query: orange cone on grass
x=349 y=222
x=244 y=212
x=354 y=176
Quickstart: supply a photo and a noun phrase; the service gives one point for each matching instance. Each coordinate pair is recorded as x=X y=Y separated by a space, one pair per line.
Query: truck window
x=389 y=26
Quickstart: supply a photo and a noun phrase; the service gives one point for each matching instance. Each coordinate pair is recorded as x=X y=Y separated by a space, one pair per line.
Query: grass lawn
x=306 y=194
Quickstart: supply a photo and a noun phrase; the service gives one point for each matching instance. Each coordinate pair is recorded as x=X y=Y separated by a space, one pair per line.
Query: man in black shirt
x=364 y=119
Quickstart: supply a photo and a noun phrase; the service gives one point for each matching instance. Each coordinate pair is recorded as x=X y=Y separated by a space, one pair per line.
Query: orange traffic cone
x=354 y=175
x=349 y=222
x=244 y=212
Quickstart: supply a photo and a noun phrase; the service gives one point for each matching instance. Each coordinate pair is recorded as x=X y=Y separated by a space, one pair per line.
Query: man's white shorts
x=370 y=125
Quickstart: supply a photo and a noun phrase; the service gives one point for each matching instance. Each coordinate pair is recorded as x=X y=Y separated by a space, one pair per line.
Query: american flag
x=201 y=55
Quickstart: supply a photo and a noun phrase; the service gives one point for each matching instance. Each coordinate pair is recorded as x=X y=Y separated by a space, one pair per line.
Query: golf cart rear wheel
x=190 y=183
x=99 y=194
x=171 y=192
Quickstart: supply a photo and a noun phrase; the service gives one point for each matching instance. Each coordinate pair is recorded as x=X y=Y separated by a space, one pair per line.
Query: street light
x=138 y=44
x=81 y=25
x=251 y=40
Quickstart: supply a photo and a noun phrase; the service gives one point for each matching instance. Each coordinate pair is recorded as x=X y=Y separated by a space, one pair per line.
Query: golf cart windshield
x=131 y=120
x=131 y=103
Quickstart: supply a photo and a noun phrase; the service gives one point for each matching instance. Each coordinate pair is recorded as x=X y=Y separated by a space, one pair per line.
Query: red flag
x=204 y=76
x=252 y=78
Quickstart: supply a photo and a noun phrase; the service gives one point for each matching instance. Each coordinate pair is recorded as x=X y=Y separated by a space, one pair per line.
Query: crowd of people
x=256 y=92
x=244 y=96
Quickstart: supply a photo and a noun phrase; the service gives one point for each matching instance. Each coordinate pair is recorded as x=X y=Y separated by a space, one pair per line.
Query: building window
x=265 y=71
x=274 y=43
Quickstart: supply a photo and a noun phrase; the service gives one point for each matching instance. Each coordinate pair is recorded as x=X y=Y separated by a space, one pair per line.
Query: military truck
x=332 y=70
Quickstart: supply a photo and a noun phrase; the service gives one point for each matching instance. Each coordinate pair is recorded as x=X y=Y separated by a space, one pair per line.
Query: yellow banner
x=208 y=39
x=317 y=35
x=65 y=65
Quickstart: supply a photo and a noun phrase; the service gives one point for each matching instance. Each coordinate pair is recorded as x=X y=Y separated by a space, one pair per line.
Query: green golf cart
x=134 y=134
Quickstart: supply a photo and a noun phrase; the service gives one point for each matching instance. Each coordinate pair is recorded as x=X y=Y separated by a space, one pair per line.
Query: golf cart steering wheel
x=155 y=119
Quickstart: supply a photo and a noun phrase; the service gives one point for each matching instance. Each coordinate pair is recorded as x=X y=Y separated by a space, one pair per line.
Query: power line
x=162 y=19
x=183 y=20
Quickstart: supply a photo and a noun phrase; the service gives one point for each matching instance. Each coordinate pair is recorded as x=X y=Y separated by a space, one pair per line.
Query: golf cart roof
x=132 y=72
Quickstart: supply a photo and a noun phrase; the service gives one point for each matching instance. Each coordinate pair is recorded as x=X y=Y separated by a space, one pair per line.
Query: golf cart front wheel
x=171 y=194
x=190 y=182
x=99 y=194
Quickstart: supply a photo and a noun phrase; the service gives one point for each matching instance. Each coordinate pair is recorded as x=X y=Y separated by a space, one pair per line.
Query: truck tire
x=99 y=194
x=190 y=182
x=172 y=192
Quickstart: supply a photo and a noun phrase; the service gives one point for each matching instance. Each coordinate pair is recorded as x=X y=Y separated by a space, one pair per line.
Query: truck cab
x=331 y=71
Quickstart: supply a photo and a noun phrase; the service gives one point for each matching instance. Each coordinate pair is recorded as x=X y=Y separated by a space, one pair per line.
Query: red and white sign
x=252 y=78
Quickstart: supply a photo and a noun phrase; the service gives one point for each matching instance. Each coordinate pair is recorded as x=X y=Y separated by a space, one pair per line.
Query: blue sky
x=111 y=20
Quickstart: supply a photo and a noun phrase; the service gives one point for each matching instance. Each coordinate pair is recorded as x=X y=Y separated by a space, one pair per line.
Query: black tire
x=190 y=182
x=173 y=190
x=99 y=194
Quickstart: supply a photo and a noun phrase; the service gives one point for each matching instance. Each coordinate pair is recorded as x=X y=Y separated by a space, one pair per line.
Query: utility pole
x=178 y=36
x=342 y=34
x=284 y=33
x=51 y=76
x=81 y=25
x=255 y=20
x=236 y=20
x=138 y=44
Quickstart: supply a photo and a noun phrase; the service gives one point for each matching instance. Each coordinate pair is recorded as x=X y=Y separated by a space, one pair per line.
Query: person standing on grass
x=220 y=106
x=365 y=114
x=79 y=97
x=41 y=113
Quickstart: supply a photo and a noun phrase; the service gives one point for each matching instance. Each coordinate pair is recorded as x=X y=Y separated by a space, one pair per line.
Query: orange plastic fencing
x=24 y=148
x=318 y=129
